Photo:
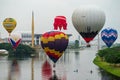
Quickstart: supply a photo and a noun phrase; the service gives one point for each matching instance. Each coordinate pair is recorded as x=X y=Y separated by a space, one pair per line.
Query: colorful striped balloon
x=109 y=36
x=54 y=44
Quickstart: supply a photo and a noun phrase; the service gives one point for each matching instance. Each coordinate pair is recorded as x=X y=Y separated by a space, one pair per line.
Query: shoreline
x=107 y=67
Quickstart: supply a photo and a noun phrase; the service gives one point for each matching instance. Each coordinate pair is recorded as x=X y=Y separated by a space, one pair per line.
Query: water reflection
x=54 y=77
x=73 y=65
x=46 y=70
x=52 y=73
x=77 y=55
x=14 y=72
x=107 y=76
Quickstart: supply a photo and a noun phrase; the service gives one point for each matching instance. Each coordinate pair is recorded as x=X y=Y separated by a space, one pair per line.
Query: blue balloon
x=109 y=36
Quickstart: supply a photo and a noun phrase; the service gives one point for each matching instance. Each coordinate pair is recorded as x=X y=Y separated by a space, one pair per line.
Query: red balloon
x=59 y=22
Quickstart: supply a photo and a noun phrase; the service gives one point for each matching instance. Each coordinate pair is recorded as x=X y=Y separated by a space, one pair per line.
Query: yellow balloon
x=9 y=24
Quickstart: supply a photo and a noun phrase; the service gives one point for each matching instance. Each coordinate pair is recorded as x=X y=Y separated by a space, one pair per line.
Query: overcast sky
x=46 y=10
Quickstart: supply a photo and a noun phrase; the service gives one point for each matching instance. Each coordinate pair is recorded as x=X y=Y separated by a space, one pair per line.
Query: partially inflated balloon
x=88 y=21
x=15 y=40
x=109 y=36
x=60 y=22
x=9 y=24
x=54 y=44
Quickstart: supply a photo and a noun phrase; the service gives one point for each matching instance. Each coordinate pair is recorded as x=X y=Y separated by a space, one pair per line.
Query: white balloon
x=88 y=19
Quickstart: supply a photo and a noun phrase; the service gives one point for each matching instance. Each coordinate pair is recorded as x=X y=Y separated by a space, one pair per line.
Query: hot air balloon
x=109 y=36
x=9 y=24
x=88 y=21
x=54 y=44
x=15 y=40
x=60 y=22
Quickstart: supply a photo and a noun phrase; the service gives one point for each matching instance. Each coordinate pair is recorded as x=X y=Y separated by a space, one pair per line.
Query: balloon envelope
x=9 y=24
x=59 y=22
x=54 y=44
x=88 y=21
x=109 y=36
x=15 y=40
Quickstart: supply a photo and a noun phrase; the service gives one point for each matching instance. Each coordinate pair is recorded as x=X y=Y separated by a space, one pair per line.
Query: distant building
x=27 y=38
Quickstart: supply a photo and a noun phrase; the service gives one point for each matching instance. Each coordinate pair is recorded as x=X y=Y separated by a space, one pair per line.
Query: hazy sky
x=46 y=10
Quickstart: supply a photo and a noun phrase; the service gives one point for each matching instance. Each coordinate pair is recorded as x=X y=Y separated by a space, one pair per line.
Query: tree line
x=110 y=55
x=22 y=51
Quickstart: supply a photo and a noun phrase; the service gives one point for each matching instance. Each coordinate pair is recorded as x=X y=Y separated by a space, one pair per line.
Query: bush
x=113 y=58
x=6 y=46
x=104 y=52
x=111 y=55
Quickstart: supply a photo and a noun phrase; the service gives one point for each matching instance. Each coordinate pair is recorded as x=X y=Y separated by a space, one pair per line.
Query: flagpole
x=32 y=63
x=32 y=29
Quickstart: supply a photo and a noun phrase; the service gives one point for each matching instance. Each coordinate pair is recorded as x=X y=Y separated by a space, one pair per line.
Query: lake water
x=75 y=64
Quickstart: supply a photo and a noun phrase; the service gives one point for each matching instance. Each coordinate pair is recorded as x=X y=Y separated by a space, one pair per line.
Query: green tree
x=76 y=43
x=110 y=55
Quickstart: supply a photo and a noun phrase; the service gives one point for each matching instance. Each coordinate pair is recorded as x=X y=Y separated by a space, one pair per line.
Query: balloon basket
x=88 y=45
x=54 y=65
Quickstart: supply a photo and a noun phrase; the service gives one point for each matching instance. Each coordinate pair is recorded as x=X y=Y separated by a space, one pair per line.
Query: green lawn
x=107 y=67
